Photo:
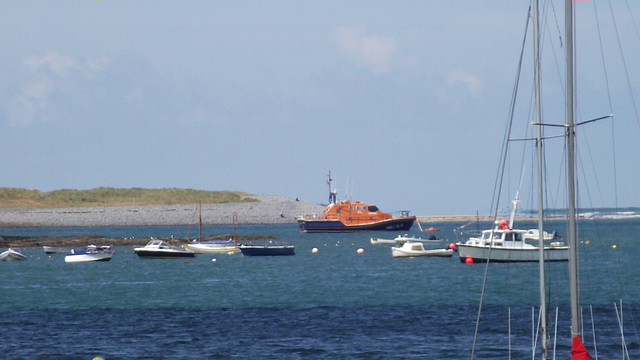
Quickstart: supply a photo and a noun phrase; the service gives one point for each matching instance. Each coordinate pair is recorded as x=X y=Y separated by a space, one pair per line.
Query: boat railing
x=310 y=216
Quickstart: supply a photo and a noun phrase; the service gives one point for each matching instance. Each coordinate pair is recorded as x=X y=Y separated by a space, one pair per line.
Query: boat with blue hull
x=267 y=250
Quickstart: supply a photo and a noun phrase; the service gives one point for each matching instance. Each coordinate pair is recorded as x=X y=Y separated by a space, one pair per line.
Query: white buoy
x=213 y=260
x=360 y=251
x=314 y=250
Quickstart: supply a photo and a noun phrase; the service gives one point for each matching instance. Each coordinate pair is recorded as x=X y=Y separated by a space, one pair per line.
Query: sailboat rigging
x=578 y=349
x=212 y=246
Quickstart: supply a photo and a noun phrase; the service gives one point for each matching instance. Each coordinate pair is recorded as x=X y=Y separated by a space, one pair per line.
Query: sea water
x=335 y=303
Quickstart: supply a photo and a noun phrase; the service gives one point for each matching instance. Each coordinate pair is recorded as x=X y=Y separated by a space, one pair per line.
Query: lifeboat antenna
x=332 y=193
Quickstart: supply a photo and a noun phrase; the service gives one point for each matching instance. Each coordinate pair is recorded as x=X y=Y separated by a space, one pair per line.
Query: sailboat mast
x=200 y=228
x=571 y=215
x=543 y=295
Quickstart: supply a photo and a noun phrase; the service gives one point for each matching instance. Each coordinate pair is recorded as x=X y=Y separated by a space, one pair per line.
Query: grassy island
x=108 y=196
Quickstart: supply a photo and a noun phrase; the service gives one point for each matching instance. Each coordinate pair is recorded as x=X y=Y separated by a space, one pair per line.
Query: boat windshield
x=373 y=208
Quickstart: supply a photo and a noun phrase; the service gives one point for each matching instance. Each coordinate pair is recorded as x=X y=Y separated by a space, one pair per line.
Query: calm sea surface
x=333 y=304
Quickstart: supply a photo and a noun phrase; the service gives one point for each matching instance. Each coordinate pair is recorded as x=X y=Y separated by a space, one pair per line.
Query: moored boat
x=505 y=244
x=55 y=249
x=401 y=239
x=90 y=253
x=267 y=250
x=12 y=255
x=347 y=216
x=415 y=249
x=378 y=241
x=160 y=249
x=213 y=246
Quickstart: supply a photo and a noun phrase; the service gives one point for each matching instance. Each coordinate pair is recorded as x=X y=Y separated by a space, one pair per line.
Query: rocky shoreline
x=270 y=209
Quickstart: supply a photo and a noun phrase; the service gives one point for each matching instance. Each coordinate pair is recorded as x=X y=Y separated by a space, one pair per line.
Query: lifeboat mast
x=332 y=193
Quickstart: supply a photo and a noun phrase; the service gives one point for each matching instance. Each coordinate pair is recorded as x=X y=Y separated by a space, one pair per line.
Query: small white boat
x=414 y=249
x=377 y=241
x=90 y=253
x=401 y=239
x=12 y=255
x=213 y=246
x=533 y=234
x=55 y=250
x=405 y=238
x=160 y=249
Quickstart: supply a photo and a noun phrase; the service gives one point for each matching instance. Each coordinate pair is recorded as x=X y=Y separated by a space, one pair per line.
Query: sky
x=406 y=103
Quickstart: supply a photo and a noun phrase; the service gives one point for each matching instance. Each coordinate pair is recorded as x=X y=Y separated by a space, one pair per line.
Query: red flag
x=578 y=351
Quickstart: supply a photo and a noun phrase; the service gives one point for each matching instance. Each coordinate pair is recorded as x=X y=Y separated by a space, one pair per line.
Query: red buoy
x=468 y=260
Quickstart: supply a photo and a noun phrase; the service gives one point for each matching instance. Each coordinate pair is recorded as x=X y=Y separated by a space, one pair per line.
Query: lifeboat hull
x=320 y=225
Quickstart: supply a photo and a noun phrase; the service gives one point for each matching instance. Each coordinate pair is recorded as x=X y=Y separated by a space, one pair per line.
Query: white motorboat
x=160 y=249
x=12 y=255
x=503 y=244
x=415 y=249
x=90 y=253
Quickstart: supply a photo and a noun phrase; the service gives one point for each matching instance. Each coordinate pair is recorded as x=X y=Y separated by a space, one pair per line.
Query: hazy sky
x=405 y=102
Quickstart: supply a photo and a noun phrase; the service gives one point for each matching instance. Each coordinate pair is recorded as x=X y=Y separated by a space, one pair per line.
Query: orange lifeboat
x=354 y=216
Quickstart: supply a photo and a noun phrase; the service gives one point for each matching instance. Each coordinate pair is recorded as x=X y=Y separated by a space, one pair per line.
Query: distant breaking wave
x=595 y=213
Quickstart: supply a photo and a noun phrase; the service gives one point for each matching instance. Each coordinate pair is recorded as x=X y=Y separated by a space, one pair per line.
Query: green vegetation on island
x=108 y=196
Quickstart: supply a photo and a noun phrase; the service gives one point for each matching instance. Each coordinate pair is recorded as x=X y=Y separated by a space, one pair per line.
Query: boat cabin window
x=512 y=237
x=350 y=207
x=373 y=208
x=359 y=207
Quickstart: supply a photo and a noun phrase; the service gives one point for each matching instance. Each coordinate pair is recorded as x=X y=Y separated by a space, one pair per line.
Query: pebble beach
x=269 y=209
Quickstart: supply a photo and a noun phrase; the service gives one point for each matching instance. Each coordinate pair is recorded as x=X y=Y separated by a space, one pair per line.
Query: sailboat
x=504 y=243
x=213 y=246
x=578 y=349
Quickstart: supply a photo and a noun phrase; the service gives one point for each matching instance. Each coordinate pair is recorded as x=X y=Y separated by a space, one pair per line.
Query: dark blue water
x=334 y=304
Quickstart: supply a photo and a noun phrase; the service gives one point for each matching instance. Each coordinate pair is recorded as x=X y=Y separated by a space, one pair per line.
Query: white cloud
x=368 y=50
x=48 y=76
x=31 y=104
x=471 y=82
x=53 y=61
